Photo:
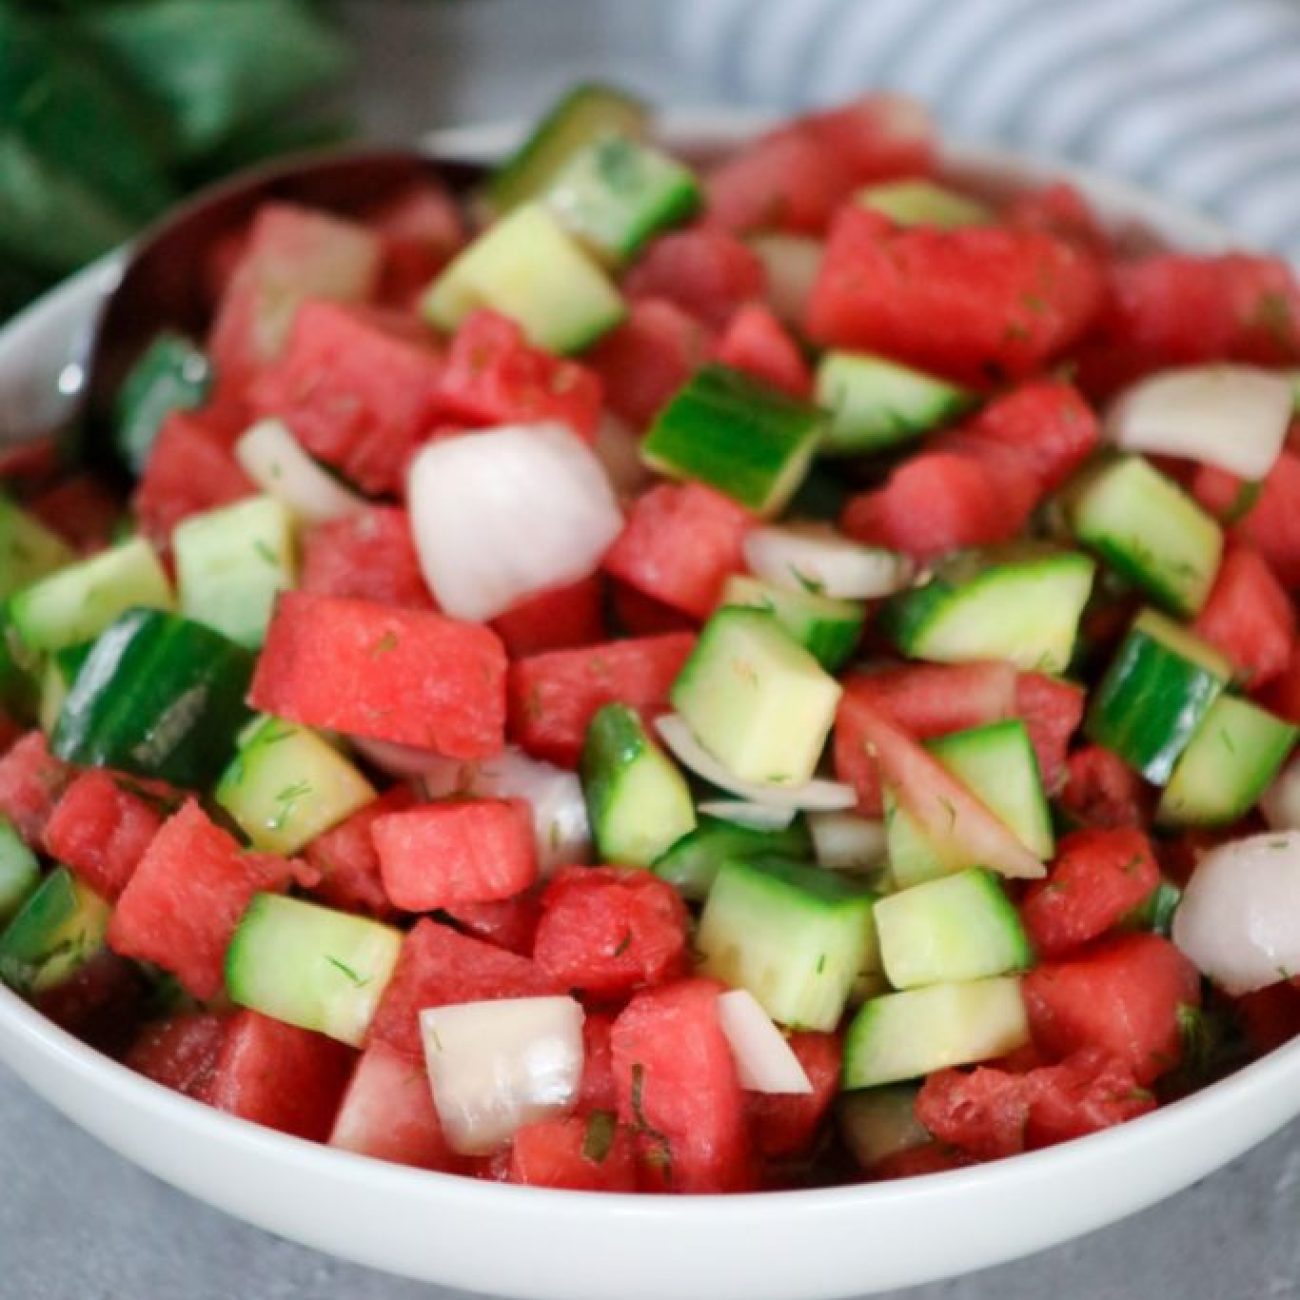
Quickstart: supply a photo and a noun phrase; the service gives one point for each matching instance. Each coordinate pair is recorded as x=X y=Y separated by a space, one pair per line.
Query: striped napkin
x=1196 y=99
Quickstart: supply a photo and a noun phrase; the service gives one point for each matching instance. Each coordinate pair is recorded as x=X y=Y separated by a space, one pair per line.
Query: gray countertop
x=78 y=1222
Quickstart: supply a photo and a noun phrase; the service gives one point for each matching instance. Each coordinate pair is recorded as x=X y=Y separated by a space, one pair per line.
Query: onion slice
x=814 y=557
x=1239 y=918
x=765 y=1061
x=274 y=459
x=814 y=795
x=791 y=265
x=759 y=816
x=501 y=515
x=1231 y=416
x=844 y=841
x=401 y=761
x=496 y=1066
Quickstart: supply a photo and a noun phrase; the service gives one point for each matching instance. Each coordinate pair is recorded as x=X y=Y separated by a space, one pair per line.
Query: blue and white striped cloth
x=1196 y=99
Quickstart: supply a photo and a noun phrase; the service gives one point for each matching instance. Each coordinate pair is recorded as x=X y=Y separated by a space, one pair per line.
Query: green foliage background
x=111 y=109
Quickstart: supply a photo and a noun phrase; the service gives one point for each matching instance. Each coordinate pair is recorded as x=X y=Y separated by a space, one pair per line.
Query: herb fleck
x=601 y=1127
x=386 y=643
x=624 y=943
x=286 y=801
x=347 y=970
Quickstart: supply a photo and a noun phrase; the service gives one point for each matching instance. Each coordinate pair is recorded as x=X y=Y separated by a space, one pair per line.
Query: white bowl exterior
x=573 y=1246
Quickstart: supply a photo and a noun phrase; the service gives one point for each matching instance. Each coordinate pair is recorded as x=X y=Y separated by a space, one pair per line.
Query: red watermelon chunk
x=1270 y=1016
x=32 y=781
x=558 y=619
x=369 y=555
x=580 y=1154
x=292 y=254
x=1059 y=209
x=680 y=545
x=786 y=1125
x=365 y=669
x=554 y=696
x=102 y=1004
x=359 y=389
x=180 y=1052
x=421 y=229
x=637 y=615
x=707 y=272
x=926 y=700
x=1101 y=790
x=184 y=899
x=1249 y=617
x=1271 y=524
x=438 y=967
x=345 y=857
x=191 y=469
x=1086 y=1093
x=982 y=1112
x=101 y=831
x=975 y=303
x=1098 y=877
x=1122 y=996
x=928 y=1158
x=281 y=1076
x=495 y=376
x=789 y=182
x=1051 y=710
x=1282 y=695
x=757 y=343
x=875 y=137
x=678 y=1088
x=464 y=851
x=648 y=358
x=606 y=931
x=510 y=923
x=81 y=510
x=599 y=1089
x=387 y=1112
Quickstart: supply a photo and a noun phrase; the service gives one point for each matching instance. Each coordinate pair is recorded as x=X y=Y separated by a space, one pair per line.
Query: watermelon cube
x=1102 y=790
x=368 y=555
x=790 y=181
x=463 y=851
x=1085 y=1093
x=1249 y=617
x=102 y=1004
x=365 y=669
x=421 y=229
x=607 y=931
x=101 y=831
x=786 y=1125
x=1051 y=710
x=599 y=1090
x=678 y=1088
x=680 y=544
x=494 y=376
x=637 y=615
x=387 y=1112
x=439 y=966
x=706 y=271
x=580 y=1154
x=180 y=1052
x=291 y=254
x=874 y=137
x=32 y=781
x=757 y=343
x=554 y=696
x=281 y=1076
x=509 y=924
x=1272 y=523
x=559 y=619
x=345 y=857
x=182 y=903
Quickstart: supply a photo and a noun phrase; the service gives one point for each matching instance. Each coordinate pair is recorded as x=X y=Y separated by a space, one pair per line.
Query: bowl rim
x=23 y=1029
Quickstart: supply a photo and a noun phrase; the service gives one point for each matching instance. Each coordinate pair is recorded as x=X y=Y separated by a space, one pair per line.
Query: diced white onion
x=619 y=450
x=496 y=1066
x=401 y=761
x=560 y=824
x=792 y=264
x=814 y=557
x=765 y=1061
x=501 y=515
x=760 y=816
x=1281 y=802
x=825 y=796
x=274 y=459
x=1232 y=416
x=844 y=841
x=1239 y=918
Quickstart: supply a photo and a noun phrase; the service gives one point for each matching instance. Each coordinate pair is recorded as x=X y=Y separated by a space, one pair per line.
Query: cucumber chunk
x=907 y=1035
x=751 y=442
x=923 y=203
x=311 y=966
x=998 y=764
x=172 y=374
x=28 y=550
x=877 y=1123
x=157 y=696
x=795 y=936
x=877 y=403
x=637 y=800
x=828 y=629
x=286 y=785
x=78 y=602
x=1227 y=765
x=20 y=872
x=961 y=928
x=232 y=563
x=756 y=699
x=55 y=933
x=587 y=113
x=528 y=267
x=1150 y=531
x=616 y=194
x=1155 y=694
x=1020 y=603
x=693 y=862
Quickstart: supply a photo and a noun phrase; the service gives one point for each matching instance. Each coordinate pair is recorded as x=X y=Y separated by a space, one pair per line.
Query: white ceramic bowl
x=550 y=1245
